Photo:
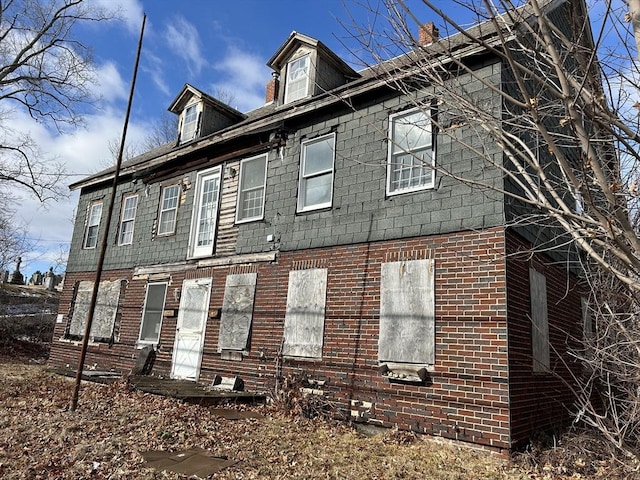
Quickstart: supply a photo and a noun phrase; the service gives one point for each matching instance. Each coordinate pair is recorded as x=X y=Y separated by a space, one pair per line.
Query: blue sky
x=217 y=46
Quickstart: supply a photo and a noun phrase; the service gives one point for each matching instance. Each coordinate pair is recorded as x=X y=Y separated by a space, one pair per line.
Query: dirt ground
x=104 y=439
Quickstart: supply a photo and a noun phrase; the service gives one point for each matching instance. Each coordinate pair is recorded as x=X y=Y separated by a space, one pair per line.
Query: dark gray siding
x=361 y=210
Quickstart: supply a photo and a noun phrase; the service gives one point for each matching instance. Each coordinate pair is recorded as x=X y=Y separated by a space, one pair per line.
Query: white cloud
x=154 y=66
x=244 y=76
x=82 y=152
x=110 y=85
x=129 y=11
x=184 y=40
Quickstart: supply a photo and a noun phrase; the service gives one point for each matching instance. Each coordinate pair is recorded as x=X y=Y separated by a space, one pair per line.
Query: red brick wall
x=102 y=356
x=467 y=398
x=539 y=401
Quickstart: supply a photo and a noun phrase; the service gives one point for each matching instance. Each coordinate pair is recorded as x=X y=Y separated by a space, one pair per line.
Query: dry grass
x=40 y=438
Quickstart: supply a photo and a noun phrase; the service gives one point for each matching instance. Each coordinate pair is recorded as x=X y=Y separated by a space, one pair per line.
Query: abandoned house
x=315 y=237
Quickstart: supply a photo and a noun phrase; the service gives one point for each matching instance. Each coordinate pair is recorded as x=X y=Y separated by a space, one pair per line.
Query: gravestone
x=16 y=277
x=49 y=279
x=4 y=276
x=36 y=279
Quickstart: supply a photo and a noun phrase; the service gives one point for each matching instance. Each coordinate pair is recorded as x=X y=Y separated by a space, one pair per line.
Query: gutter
x=398 y=68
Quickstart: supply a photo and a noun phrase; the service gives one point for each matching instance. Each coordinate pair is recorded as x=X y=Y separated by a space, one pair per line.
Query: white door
x=192 y=321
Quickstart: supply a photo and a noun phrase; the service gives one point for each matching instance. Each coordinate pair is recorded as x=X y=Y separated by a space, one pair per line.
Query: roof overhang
x=458 y=47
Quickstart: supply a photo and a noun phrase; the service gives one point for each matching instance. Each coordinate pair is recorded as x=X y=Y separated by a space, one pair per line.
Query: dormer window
x=297 y=81
x=305 y=67
x=201 y=114
x=189 y=123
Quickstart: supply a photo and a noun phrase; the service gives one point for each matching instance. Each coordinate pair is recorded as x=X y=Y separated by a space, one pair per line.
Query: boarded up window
x=539 y=321
x=587 y=322
x=105 y=312
x=304 y=319
x=407 y=312
x=237 y=311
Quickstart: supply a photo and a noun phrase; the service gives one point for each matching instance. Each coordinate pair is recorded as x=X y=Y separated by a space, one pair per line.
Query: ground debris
x=113 y=426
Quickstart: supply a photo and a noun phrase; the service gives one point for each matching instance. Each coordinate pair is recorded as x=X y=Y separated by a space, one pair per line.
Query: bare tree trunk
x=634 y=17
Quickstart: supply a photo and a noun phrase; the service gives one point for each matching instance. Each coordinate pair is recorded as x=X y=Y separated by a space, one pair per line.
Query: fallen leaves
x=41 y=439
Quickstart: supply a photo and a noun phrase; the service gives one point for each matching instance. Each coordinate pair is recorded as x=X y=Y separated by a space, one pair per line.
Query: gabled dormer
x=201 y=114
x=306 y=67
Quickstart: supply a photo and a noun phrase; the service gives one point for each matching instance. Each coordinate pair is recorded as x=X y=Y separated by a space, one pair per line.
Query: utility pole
x=103 y=245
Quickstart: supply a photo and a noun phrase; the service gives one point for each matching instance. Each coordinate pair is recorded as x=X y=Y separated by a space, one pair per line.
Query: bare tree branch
x=568 y=130
x=47 y=73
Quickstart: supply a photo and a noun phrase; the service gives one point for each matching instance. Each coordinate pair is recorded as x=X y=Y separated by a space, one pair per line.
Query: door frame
x=208 y=281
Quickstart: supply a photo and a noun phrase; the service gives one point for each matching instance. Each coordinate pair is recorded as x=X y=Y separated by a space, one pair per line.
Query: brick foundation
x=467 y=396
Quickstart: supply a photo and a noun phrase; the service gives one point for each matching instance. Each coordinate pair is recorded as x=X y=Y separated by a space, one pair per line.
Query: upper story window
x=297 y=81
x=411 y=153
x=316 y=173
x=127 y=219
x=205 y=213
x=93 y=222
x=253 y=176
x=189 y=123
x=168 y=210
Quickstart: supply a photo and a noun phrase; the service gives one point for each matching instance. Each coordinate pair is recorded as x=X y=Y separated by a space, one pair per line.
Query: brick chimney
x=272 y=88
x=427 y=34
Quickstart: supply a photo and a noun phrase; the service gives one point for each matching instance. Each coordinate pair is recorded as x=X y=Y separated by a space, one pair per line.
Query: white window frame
x=127 y=220
x=93 y=225
x=291 y=95
x=145 y=310
x=189 y=129
x=394 y=151
x=304 y=178
x=244 y=192
x=168 y=210
x=196 y=250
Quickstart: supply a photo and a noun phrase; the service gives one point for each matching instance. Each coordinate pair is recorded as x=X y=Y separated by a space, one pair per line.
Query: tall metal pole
x=103 y=245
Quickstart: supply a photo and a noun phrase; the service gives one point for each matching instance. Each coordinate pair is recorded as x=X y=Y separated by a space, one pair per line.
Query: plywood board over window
x=587 y=320
x=304 y=318
x=237 y=311
x=407 y=312
x=105 y=312
x=539 y=321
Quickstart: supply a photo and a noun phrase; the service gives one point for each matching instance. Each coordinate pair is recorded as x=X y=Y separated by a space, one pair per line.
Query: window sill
x=78 y=341
x=406 y=372
x=410 y=190
x=233 y=355
x=249 y=220
x=303 y=359
x=321 y=208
